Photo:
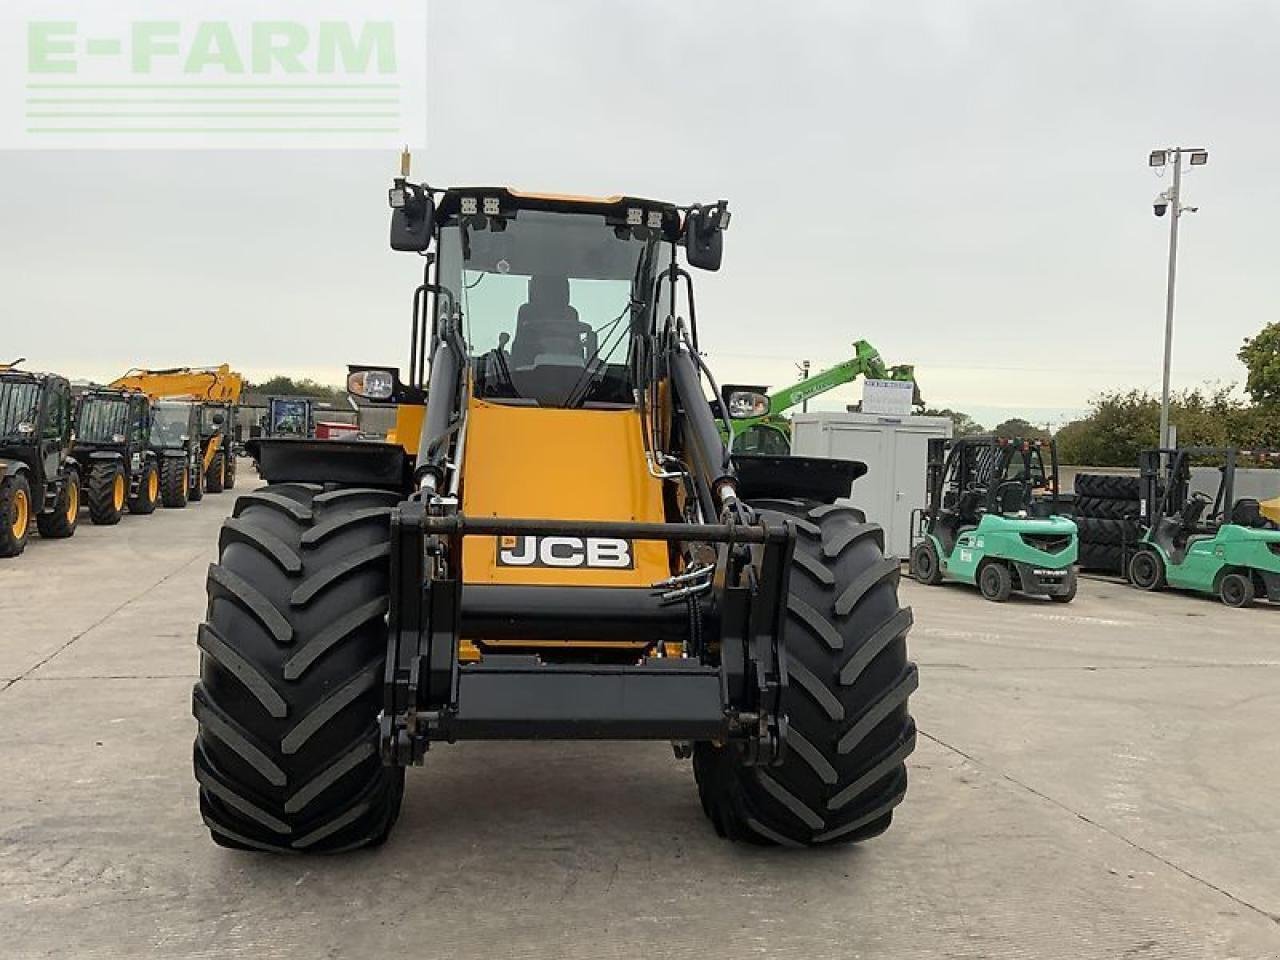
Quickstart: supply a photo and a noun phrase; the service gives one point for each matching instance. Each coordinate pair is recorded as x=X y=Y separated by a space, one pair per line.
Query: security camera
x=1160 y=205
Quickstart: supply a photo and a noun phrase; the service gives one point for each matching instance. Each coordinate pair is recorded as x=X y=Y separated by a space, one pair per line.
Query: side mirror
x=745 y=402
x=413 y=215
x=704 y=235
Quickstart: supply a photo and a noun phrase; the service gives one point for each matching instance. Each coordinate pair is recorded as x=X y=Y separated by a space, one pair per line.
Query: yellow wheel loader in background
x=559 y=547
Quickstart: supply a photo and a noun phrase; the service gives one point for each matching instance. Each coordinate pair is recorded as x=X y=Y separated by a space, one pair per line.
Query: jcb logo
x=608 y=553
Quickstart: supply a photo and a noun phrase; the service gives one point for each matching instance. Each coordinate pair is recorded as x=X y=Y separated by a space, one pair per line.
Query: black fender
x=170 y=453
x=106 y=455
x=819 y=479
x=12 y=468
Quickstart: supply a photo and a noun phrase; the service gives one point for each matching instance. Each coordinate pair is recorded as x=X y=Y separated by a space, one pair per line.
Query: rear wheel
x=925 y=565
x=849 y=678
x=995 y=581
x=148 y=495
x=1146 y=570
x=15 y=515
x=1072 y=583
x=229 y=478
x=216 y=474
x=107 y=492
x=291 y=670
x=1236 y=590
x=173 y=482
x=60 y=522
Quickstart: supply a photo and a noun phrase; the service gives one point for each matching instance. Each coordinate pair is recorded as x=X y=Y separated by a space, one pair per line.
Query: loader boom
x=218 y=384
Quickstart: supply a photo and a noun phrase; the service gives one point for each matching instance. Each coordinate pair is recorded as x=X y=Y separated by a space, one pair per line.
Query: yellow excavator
x=213 y=392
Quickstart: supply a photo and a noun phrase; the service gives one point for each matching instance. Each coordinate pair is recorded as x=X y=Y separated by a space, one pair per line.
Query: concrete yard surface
x=1095 y=780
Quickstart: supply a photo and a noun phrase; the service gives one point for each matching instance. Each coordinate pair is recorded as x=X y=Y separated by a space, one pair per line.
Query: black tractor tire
x=107 y=490
x=61 y=522
x=1236 y=590
x=216 y=475
x=196 y=493
x=1112 y=533
x=1102 y=557
x=925 y=564
x=173 y=482
x=849 y=732
x=995 y=581
x=1107 y=486
x=15 y=515
x=1146 y=570
x=1073 y=583
x=148 y=495
x=1107 y=509
x=291 y=670
x=229 y=478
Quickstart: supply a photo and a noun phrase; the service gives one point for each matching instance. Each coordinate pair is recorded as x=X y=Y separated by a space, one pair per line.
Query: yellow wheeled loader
x=560 y=546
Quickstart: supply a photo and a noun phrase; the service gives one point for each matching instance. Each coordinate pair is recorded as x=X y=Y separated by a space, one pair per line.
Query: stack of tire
x=1107 y=510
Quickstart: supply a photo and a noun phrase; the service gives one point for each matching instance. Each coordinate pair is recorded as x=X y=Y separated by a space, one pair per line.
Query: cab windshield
x=103 y=420
x=549 y=302
x=171 y=425
x=18 y=399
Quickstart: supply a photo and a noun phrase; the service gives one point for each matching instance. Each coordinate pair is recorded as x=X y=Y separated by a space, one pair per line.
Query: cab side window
x=138 y=424
x=57 y=413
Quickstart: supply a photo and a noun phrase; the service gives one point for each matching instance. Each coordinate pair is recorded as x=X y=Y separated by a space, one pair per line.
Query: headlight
x=371 y=384
x=26 y=428
x=117 y=438
x=745 y=404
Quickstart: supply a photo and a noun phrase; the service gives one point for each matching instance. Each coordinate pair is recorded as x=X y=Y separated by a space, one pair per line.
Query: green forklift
x=756 y=417
x=1213 y=545
x=991 y=519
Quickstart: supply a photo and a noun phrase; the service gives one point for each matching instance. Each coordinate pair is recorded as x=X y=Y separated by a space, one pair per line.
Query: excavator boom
x=218 y=384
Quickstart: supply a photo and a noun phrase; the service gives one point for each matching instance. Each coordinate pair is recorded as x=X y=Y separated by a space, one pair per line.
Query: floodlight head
x=1199 y=158
x=1158 y=158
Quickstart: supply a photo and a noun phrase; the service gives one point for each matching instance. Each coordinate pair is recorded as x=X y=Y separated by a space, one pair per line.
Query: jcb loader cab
x=176 y=438
x=1215 y=544
x=560 y=546
x=38 y=475
x=990 y=519
x=113 y=448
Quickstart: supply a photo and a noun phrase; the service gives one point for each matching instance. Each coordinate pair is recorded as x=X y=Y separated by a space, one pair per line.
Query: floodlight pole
x=1175 y=214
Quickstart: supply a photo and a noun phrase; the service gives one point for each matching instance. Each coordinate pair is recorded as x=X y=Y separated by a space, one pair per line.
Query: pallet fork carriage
x=558 y=545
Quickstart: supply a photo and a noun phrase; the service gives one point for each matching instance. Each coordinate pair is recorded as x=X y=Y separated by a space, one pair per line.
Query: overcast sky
x=962 y=184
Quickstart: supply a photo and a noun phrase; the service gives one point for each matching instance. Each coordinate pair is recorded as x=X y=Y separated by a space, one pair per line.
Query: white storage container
x=895 y=450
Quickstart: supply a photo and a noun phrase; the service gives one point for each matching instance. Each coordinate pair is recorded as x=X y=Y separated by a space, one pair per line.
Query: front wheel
x=108 y=490
x=1070 y=593
x=1146 y=570
x=996 y=582
x=291 y=672
x=148 y=495
x=15 y=515
x=195 y=492
x=216 y=475
x=60 y=522
x=1236 y=590
x=174 y=480
x=849 y=733
x=925 y=564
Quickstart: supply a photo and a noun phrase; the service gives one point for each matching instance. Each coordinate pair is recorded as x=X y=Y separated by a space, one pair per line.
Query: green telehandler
x=757 y=420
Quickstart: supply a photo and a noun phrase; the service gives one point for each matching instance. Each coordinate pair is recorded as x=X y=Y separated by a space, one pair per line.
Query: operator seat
x=547 y=326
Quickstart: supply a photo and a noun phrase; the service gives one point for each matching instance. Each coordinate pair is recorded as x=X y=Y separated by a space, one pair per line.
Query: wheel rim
x=186 y=480
x=1144 y=573
x=153 y=485
x=73 y=500
x=21 y=514
x=1233 y=591
x=925 y=565
x=988 y=582
x=117 y=492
